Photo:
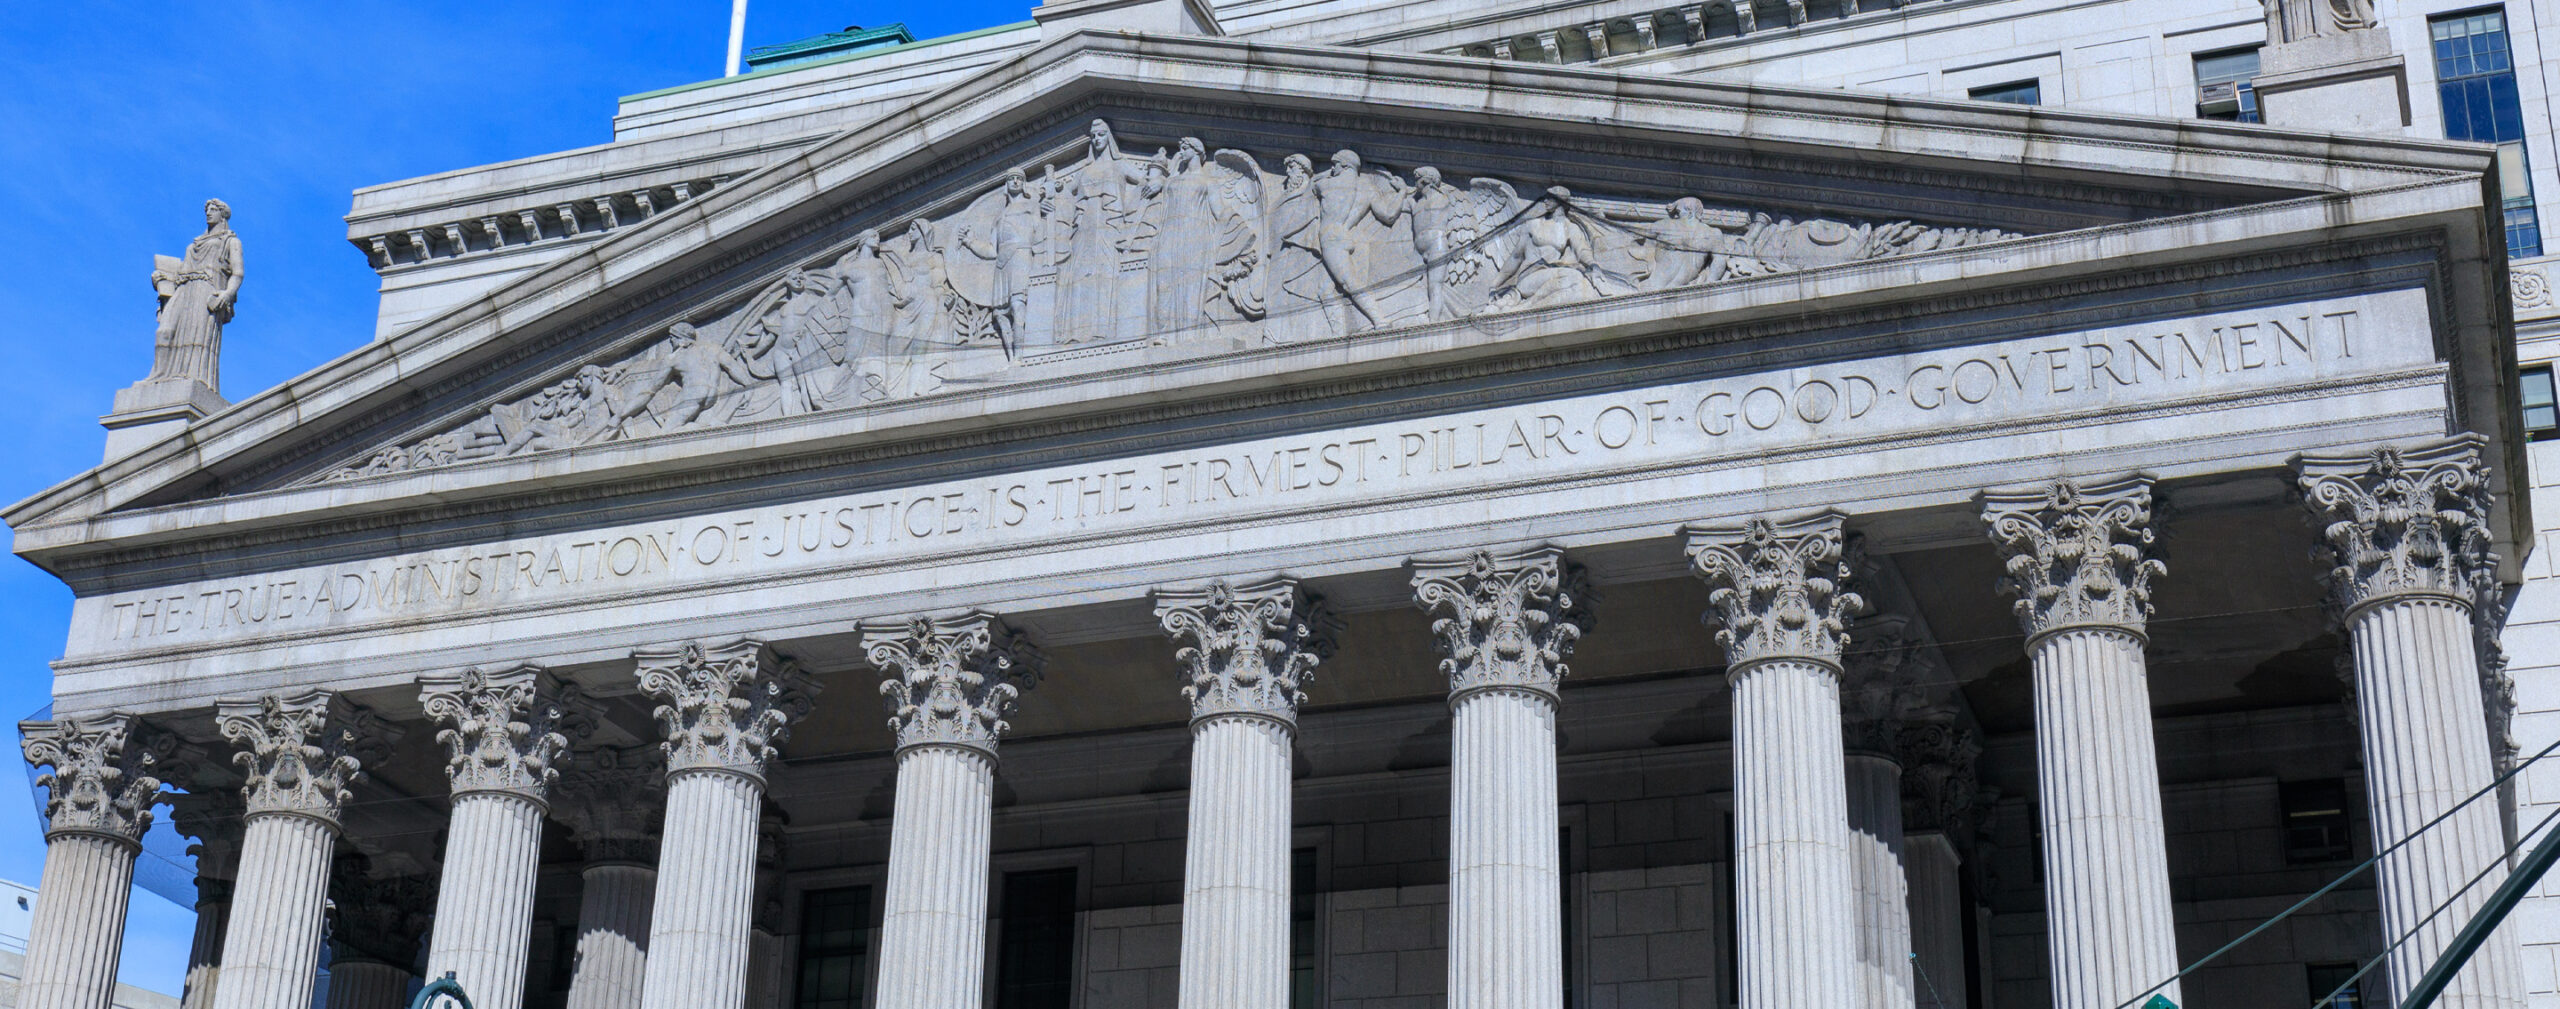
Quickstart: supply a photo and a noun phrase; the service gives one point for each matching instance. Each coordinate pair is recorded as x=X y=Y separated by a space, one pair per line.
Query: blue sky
x=123 y=117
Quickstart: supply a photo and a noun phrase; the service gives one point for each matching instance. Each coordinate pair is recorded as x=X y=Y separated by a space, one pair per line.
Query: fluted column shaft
x=78 y=928
x=1235 y=884
x=1874 y=783
x=361 y=983
x=705 y=898
x=484 y=905
x=1795 y=877
x=1939 y=919
x=613 y=935
x=1506 y=926
x=204 y=953
x=2107 y=909
x=271 y=952
x=2418 y=698
x=933 y=924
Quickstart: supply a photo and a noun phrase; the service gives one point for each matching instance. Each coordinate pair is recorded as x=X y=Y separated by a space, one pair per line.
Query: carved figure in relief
x=919 y=287
x=1344 y=200
x=999 y=237
x=1132 y=247
x=2296 y=20
x=197 y=295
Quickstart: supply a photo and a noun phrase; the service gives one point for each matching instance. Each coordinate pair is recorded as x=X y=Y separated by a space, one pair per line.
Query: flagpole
x=737 y=33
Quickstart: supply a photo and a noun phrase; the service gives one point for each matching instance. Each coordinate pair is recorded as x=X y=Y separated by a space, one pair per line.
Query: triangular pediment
x=1112 y=206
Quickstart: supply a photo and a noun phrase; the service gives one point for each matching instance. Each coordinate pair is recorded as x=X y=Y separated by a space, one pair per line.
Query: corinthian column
x=1505 y=626
x=613 y=799
x=725 y=713
x=299 y=754
x=99 y=790
x=210 y=814
x=1939 y=819
x=2406 y=533
x=1882 y=690
x=376 y=922
x=949 y=684
x=1777 y=590
x=1244 y=654
x=2079 y=559
x=501 y=738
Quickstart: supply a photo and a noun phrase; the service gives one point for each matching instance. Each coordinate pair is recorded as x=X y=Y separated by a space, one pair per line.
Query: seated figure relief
x=1188 y=246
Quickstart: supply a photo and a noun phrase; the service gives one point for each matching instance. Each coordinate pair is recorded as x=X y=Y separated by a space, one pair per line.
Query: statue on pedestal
x=197 y=295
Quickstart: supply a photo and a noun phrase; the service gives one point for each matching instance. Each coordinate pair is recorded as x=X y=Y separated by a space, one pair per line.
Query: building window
x=1036 y=954
x=2476 y=83
x=2541 y=406
x=835 y=948
x=1305 y=903
x=2326 y=977
x=2315 y=820
x=2014 y=92
x=2222 y=85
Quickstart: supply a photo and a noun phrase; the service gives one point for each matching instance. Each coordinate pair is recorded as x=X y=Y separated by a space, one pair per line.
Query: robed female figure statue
x=196 y=297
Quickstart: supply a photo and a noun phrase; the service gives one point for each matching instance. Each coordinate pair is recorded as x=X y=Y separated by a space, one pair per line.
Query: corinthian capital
x=613 y=799
x=2398 y=522
x=502 y=732
x=1890 y=678
x=1939 y=788
x=1779 y=589
x=2077 y=555
x=299 y=754
x=98 y=773
x=951 y=681
x=1247 y=651
x=1504 y=622
x=725 y=709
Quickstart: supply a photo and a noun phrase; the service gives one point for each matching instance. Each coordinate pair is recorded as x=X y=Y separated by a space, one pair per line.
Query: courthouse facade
x=1319 y=503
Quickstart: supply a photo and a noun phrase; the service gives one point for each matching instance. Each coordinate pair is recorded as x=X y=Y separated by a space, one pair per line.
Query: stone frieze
x=1191 y=245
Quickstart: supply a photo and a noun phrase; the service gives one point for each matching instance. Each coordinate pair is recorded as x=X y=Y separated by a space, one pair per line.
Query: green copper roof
x=851 y=38
x=836 y=57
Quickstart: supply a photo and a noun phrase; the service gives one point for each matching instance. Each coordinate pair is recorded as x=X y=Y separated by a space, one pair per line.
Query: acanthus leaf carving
x=2077 y=554
x=724 y=709
x=2403 y=521
x=1891 y=679
x=1505 y=622
x=951 y=681
x=613 y=800
x=1941 y=789
x=1778 y=590
x=502 y=731
x=1191 y=246
x=300 y=754
x=100 y=773
x=1248 y=650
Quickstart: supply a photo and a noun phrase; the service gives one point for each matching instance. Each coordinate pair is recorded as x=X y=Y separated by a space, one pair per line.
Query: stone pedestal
x=2349 y=82
x=2407 y=533
x=99 y=792
x=1777 y=592
x=2080 y=561
x=1874 y=784
x=613 y=935
x=1245 y=655
x=1504 y=626
x=149 y=411
x=725 y=712
x=1939 y=919
x=950 y=684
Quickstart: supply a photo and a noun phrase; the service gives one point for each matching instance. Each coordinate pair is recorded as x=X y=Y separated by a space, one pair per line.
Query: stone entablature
x=1675 y=27
x=585 y=216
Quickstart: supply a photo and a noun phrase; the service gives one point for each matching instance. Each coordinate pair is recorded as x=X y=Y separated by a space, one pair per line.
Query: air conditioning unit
x=2219 y=97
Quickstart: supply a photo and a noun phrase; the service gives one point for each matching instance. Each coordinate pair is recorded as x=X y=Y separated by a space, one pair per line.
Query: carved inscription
x=1694 y=423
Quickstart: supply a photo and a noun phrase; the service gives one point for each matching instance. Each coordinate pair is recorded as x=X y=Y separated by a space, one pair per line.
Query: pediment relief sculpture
x=1191 y=245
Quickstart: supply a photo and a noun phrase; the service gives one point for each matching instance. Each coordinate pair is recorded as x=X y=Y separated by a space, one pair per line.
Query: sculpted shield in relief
x=1188 y=246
